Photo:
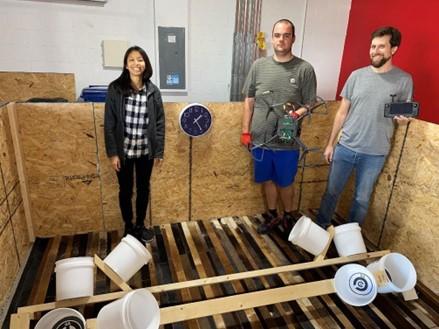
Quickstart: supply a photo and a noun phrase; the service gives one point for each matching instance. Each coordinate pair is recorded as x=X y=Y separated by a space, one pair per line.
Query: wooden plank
x=228 y=268
x=267 y=314
x=178 y=270
x=322 y=255
x=276 y=258
x=206 y=281
x=285 y=310
x=243 y=301
x=19 y=160
x=20 y=321
x=208 y=290
x=111 y=274
x=45 y=271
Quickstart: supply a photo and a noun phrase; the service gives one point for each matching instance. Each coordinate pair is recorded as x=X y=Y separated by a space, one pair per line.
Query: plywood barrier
x=410 y=226
x=60 y=160
x=14 y=235
x=21 y=86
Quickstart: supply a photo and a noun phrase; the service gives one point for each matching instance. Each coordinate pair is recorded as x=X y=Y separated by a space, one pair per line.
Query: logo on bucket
x=360 y=284
x=69 y=322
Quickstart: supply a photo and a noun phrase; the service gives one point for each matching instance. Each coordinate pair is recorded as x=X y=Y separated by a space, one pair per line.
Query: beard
x=381 y=62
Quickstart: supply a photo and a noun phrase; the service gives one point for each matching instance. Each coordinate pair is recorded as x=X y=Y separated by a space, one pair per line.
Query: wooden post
x=12 y=114
x=111 y=274
x=322 y=255
x=20 y=321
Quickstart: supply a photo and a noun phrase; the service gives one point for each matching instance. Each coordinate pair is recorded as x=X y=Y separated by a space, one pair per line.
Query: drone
x=287 y=128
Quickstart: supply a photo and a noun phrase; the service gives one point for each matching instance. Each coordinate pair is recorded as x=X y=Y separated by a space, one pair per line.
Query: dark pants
x=125 y=176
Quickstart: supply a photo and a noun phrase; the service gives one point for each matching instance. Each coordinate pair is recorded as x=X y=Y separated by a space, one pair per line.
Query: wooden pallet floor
x=197 y=249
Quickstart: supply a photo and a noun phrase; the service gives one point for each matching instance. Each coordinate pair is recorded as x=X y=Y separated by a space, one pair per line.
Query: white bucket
x=348 y=239
x=394 y=273
x=309 y=236
x=128 y=257
x=355 y=285
x=136 y=310
x=61 y=318
x=74 y=277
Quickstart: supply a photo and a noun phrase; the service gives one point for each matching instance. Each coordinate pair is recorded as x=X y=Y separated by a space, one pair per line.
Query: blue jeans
x=367 y=169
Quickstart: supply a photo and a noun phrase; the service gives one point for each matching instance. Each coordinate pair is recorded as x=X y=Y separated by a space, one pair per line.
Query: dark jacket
x=114 y=122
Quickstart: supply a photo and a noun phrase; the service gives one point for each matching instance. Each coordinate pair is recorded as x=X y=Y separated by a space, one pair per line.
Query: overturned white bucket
x=348 y=239
x=74 y=277
x=136 y=310
x=61 y=318
x=355 y=285
x=394 y=273
x=309 y=236
x=128 y=257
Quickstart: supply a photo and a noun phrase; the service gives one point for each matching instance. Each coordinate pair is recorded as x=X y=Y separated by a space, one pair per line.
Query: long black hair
x=123 y=82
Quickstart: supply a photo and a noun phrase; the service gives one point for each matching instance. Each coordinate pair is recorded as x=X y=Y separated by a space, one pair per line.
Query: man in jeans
x=366 y=134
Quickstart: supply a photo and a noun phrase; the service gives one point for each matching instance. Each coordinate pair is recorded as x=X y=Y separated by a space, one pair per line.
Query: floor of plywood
x=196 y=249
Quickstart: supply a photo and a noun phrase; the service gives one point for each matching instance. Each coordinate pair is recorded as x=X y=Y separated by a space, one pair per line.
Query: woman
x=134 y=136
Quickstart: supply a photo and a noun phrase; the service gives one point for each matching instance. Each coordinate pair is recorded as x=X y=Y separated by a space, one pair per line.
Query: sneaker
x=128 y=230
x=288 y=222
x=269 y=223
x=143 y=234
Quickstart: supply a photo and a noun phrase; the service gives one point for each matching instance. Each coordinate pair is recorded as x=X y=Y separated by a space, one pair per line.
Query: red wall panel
x=419 y=50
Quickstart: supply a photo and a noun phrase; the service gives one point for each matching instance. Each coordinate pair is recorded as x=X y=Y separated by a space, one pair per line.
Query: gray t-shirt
x=365 y=129
x=271 y=83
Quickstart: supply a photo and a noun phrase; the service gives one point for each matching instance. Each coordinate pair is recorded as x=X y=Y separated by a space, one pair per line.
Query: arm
x=160 y=126
x=340 y=118
x=110 y=122
x=249 y=104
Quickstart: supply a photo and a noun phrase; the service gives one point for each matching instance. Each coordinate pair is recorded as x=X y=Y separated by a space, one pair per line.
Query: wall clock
x=195 y=120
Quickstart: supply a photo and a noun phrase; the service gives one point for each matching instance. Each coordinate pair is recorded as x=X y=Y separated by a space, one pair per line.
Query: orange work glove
x=246 y=139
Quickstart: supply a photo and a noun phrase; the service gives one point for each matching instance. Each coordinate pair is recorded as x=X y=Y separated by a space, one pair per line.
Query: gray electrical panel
x=172 y=57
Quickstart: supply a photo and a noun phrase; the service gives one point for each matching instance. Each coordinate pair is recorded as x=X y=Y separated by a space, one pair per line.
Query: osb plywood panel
x=59 y=147
x=14 y=199
x=222 y=182
x=8 y=262
x=7 y=155
x=21 y=86
x=411 y=226
x=311 y=194
x=21 y=234
x=4 y=214
x=170 y=183
x=109 y=185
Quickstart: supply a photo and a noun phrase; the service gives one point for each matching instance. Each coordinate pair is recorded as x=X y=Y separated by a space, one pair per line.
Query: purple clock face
x=195 y=120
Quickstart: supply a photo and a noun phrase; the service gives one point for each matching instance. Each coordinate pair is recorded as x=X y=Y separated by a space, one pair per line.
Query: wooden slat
x=228 y=268
x=38 y=294
x=19 y=160
x=244 y=301
x=276 y=258
x=111 y=274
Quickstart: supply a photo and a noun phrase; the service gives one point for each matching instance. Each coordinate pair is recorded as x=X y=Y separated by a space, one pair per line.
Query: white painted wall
x=325 y=32
x=42 y=36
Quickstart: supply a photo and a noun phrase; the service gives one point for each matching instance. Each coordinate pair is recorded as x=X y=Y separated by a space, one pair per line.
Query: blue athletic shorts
x=279 y=166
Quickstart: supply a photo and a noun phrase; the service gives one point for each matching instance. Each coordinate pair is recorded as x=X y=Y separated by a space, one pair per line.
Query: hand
x=294 y=115
x=246 y=139
x=115 y=162
x=158 y=163
x=328 y=153
x=402 y=120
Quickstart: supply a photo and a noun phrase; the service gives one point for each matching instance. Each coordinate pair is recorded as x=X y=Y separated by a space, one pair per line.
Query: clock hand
x=198 y=118
x=198 y=125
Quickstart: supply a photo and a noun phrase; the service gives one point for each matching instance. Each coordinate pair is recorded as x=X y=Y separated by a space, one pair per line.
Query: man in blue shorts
x=277 y=79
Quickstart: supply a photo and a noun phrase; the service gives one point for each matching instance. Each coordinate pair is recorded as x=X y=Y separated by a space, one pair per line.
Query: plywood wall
x=21 y=86
x=14 y=241
x=73 y=187
x=411 y=225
